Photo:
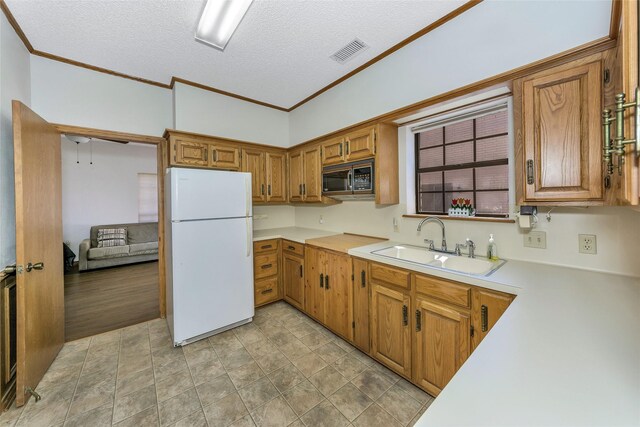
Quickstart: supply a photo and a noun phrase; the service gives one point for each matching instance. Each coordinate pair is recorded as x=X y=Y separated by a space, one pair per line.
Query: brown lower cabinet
x=293 y=273
x=328 y=289
x=266 y=268
x=420 y=326
x=391 y=329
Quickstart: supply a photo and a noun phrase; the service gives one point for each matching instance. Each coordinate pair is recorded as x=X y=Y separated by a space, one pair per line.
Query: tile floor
x=282 y=369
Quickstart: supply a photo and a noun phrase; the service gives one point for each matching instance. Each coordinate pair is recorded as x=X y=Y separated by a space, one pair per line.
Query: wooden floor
x=102 y=300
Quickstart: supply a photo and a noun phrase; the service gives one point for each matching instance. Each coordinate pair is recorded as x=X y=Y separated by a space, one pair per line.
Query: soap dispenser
x=492 y=249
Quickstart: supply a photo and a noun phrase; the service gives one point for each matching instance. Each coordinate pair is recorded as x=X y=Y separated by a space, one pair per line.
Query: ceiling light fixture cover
x=219 y=21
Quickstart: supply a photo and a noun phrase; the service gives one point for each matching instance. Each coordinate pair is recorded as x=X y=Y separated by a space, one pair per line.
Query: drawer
x=293 y=247
x=444 y=290
x=386 y=275
x=265 y=290
x=265 y=265
x=265 y=246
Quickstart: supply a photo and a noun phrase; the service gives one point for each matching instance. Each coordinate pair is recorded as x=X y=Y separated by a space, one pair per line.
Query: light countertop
x=565 y=353
x=343 y=242
x=295 y=234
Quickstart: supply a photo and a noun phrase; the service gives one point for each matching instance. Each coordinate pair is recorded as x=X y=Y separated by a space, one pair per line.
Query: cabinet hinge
x=321 y=152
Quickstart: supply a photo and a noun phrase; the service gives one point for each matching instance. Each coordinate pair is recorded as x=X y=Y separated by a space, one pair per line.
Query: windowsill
x=461 y=218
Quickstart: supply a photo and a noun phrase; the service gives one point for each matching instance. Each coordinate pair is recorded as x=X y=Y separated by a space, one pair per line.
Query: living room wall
x=105 y=192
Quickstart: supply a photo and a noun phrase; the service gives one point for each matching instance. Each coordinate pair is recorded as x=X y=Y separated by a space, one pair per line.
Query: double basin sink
x=439 y=260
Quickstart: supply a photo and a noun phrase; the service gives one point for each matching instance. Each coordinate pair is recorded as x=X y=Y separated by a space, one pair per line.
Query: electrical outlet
x=321 y=220
x=536 y=239
x=587 y=244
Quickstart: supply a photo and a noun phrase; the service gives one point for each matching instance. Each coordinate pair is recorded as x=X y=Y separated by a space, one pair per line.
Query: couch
x=141 y=245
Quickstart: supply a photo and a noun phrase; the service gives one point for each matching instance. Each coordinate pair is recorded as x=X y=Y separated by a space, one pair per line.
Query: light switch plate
x=536 y=239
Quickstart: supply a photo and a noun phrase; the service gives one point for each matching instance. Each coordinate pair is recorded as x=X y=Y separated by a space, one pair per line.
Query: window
x=147 y=197
x=464 y=157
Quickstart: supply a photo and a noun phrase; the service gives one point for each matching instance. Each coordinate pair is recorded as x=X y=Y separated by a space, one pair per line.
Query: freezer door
x=205 y=194
x=212 y=277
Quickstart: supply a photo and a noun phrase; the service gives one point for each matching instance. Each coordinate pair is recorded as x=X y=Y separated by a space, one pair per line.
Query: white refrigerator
x=209 y=252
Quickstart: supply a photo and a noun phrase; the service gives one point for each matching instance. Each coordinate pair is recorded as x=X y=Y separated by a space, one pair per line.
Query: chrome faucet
x=470 y=245
x=443 y=247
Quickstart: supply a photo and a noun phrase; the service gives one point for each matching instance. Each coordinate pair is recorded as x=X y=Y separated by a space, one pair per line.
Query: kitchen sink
x=423 y=256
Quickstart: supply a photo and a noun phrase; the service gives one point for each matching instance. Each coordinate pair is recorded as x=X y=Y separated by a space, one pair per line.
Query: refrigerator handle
x=247 y=183
x=249 y=243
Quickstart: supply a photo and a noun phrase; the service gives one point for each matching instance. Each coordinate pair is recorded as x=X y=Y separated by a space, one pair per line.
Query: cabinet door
x=253 y=162
x=314 y=262
x=312 y=183
x=488 y=306
x=361 y=305
x=360 y=144
x=390 y=330
x=339 y=295
x=293 y=275
x=333 y=151
x=276 y=177
x=296 y=176
x=225 y=157
x=561 y=134
x=442 y=344
x=191 y=153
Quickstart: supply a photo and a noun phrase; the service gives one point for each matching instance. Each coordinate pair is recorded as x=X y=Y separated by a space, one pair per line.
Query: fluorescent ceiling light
x=219 y=21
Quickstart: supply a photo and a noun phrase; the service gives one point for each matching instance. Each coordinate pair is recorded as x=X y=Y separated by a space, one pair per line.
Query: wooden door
x=488 y=306
x=360 y=144
x=314 y=262
x=225 y=157
x=312 y=182
x=276 y=177
x=390 y=328
x=339 y=294
x=561 y=110
x=191 y=153
x=253 y=162
x=360 y=305
x=296 y=176
x=442 y=344
x=333 y=151
x=40 y=280
x=293 y=278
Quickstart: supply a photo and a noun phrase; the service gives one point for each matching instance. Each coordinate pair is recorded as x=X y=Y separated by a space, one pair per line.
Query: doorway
x=110 y=233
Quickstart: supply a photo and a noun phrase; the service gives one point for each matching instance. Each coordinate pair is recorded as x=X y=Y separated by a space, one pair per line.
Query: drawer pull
x=266 y=247
x=267 y=291
x=291 y=248
x=484 y=314
x=264 y=267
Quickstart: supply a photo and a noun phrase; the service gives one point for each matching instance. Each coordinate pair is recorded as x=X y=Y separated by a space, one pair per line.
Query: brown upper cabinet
x=224 y=156
x=190 y=153
x=557 y=114
x=267 y=175
x=355 y=145
x=305 y=174
x=253 y=162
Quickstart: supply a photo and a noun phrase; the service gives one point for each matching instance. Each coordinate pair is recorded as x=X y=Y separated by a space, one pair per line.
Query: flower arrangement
x=461 y=207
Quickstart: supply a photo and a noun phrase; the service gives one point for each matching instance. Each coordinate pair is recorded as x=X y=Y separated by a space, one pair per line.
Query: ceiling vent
x=349 y=51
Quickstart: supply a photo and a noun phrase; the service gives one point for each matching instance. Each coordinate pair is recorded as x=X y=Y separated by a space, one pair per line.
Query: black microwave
x=350 y=181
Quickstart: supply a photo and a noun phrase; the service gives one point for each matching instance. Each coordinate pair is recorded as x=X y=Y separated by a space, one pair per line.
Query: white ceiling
x=279 y=54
